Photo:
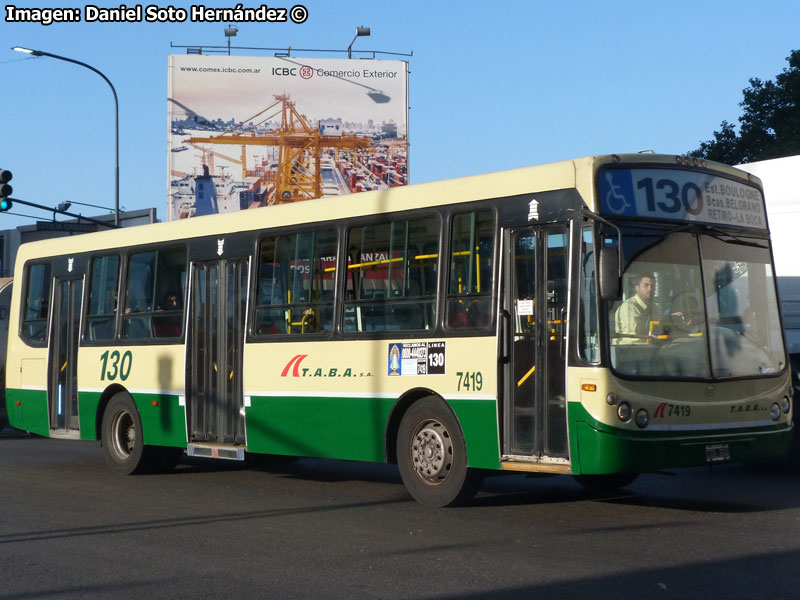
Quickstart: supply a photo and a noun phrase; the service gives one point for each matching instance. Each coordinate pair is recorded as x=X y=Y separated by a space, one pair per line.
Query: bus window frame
x=124 y=252
x=255 y=278
x=84 y=337
x=435 y=213
x=119 y=339
x=493 y=205
x=575 y=353
x=44 y=343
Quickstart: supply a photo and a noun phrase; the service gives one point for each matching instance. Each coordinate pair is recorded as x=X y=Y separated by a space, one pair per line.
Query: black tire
x=432 y=455
x=606 y=483
x=123 y=445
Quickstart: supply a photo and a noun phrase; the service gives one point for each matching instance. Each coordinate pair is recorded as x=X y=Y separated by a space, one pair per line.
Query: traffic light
x=5 y=190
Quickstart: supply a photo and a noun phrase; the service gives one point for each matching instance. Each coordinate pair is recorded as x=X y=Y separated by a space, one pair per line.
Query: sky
x=493 y=86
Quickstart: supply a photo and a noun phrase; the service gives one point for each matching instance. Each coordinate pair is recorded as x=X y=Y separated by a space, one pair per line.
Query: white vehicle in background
x=781 y=180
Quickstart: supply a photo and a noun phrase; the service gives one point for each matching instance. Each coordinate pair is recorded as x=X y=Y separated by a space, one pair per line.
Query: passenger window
x=103 y=294
x=297 y=276
x=37 y=303
x=155 y=294
x=469 y=300
x=392 y=276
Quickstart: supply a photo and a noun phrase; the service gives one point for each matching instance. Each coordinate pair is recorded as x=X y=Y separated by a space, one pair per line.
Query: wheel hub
x=432 y=452
x=124 y=435
x=131 y=437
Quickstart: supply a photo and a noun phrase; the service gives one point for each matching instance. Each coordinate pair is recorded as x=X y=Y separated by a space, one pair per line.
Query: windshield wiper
x=718 y=234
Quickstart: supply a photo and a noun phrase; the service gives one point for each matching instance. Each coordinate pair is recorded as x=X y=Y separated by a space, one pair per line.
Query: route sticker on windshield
x=416 y=358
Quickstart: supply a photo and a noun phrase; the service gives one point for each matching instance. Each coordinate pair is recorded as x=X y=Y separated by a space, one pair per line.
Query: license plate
x=717 y=452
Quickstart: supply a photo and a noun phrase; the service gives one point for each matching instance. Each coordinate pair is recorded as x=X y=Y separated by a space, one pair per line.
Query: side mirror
x=609 y=274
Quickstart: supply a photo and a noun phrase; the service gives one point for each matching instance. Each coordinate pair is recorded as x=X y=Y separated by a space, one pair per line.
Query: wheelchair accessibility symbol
x=616 y=202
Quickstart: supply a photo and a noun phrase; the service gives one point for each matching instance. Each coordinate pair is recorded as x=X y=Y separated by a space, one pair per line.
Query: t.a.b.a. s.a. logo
x=395 y=362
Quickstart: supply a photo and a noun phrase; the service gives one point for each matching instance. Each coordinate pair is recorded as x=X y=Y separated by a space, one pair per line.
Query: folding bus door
x=62 y=385
x=216 y=344
x=534 y=375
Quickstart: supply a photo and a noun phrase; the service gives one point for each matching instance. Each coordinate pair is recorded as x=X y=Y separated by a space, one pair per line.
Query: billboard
x=246 y=132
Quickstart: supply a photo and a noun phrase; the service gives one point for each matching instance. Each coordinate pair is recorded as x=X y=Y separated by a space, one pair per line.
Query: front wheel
x=432 y=455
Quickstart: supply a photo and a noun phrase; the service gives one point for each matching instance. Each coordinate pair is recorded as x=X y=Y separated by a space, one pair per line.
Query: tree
x=769 y=126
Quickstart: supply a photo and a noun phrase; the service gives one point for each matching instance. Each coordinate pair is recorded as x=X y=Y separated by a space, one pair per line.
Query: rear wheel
x=432 y=455
x=121 y=434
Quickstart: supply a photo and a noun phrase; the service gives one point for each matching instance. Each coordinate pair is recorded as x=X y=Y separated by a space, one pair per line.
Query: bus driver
x=633 y=316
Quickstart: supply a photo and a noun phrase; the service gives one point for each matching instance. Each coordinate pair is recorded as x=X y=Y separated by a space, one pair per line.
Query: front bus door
x=216 y=344
x=62 y=385
x=534 y=374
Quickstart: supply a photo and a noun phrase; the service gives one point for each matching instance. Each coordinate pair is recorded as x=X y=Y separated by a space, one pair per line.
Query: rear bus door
x=215 y=348
x=62 y=385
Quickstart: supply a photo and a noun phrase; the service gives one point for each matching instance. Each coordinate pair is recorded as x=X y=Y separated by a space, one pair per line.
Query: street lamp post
x=360 y=32
x=67 y=203
x=116 y=116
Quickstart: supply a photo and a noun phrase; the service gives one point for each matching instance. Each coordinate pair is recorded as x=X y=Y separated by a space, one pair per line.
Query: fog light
x=624 y=411
x=612 y=399
x=775 y=411
x=786 y=405
x=642 y=418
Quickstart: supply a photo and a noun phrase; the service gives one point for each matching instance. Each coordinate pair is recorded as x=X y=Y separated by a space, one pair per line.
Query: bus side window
x=297 y=274
x=103 y=294
x=37 y=299
x=155 y=294
x=471 y=261
x=390 y=281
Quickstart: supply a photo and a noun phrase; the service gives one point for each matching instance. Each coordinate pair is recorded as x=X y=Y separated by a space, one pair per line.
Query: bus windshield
x=697 y=303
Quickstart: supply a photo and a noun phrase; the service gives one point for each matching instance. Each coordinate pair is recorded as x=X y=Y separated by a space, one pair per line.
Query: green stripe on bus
x=328 y=427
x=346 y=428
x=478 y=420
x=604 y=449
x=31 y=413
x=164 y=423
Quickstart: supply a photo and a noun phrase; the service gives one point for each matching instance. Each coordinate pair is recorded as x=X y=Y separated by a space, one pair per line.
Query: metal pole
x=116 y=119
x=64 y=212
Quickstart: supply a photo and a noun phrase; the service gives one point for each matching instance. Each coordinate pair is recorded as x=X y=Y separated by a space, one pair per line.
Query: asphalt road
x=69 y=528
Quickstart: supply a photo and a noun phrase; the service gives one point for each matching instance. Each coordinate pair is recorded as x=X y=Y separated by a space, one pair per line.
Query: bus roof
x=526 y=180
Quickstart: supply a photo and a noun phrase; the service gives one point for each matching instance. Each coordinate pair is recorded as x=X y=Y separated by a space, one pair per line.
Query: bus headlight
x=624 y=411
x=612 y=399
x=642 y=418
x=786 y=405
x=775 y=411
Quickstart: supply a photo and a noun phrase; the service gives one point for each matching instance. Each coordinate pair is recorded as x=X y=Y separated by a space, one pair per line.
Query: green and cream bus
x=451 y=328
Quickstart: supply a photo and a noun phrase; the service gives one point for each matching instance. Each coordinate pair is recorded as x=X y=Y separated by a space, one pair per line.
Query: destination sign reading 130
x=680 y=195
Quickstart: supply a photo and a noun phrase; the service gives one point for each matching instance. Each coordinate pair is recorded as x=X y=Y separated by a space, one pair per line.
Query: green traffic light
x=5 y=190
